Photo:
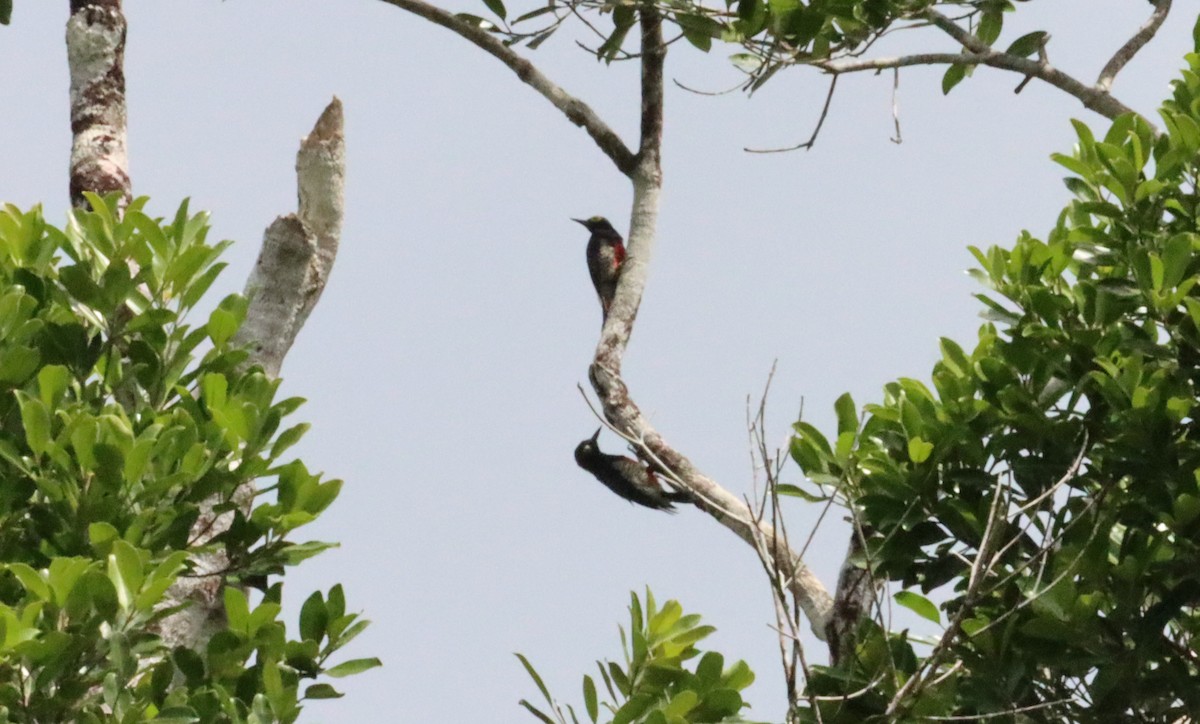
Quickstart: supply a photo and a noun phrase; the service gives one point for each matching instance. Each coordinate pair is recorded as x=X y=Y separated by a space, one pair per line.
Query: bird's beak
x=596 y=437
x=580 y=221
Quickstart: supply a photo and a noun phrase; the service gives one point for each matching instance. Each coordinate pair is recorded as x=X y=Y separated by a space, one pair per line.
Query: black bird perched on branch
x=605 y=255
x=628 y=478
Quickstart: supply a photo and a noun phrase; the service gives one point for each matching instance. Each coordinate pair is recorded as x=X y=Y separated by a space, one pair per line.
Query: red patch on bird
x=618 y=254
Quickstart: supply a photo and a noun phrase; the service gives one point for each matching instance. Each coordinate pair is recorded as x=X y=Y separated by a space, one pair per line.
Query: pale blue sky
x=441 y=364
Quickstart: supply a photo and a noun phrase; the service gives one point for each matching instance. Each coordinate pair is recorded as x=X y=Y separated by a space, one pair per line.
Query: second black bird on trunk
x=605 y=255
x=631 y=479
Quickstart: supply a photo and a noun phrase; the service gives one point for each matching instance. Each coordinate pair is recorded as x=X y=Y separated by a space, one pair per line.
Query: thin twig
x=898 y=139
x=852 y=695
x=931 y=662
x=1070 y=568
x=816 y=131
x=586 y=22
x=1006 y=712
x=947 y=673
x=574 y=109
x=699 y=92
x=1043 y=58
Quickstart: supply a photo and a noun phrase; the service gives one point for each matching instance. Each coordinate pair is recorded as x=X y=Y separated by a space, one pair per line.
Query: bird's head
x=588 y=448
x=596 y=224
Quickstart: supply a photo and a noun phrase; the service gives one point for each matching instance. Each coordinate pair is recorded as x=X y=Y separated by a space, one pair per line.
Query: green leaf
x=953 y=76
x=796 y=492
x=738 y=677
x=623 y=19
x=17 y=363
x=919 y=450
x=348 y=634
x=954 y=358
x=353 y=666
x=101 y=534
x=699 y=30
x=1072 y=164
x=1027 y=44
x=237 y=609
x=214 y=389
x=497 y=7
x=541 y=38
x=31 y=580
x=125 y=572
x=533 y=674
x=1177 y=255
x=313 y=618
x=5 y=12
x=989 y=26
x=287 y=438
x=681 y=704
x=663 y=620
x=221 y=326
x=919 y=605
x=52 y=383
x=847 y=414
x=534 y=13
x=536 y=712
x=35 y=417
x=322 y=691
x=590 y=701
x=746 y=62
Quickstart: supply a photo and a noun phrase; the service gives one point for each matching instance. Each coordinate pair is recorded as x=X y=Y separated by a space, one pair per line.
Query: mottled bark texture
x=96 y=57
x=293 y=266
x=852 y=602
x=298 y=249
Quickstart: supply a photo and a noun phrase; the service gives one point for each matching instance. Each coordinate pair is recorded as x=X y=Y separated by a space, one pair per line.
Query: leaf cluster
x=654 y=686
x=773 y=33
x=1047 y=487
x=121 y=426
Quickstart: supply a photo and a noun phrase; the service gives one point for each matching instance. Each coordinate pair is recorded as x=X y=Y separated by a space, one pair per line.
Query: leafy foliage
x=773 y=34
x=1047 y=487
x=114 y=430
x=654 y=686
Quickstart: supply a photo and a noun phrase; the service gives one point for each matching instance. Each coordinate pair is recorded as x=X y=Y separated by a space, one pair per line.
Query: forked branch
x=975 y=52
x=605 y=373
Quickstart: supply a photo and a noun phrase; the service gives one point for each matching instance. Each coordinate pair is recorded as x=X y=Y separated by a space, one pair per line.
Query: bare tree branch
x=816 y=131
x=605 y=372
x=298 y=249
x=1133 y=45
x=293 y=266
x=574 y=109
x=1093 y=98
x=96 y=58
x=644 y=169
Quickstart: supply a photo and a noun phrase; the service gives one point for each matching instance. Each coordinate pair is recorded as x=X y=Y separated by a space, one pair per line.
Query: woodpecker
x=605 y=255
x=626 y=477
